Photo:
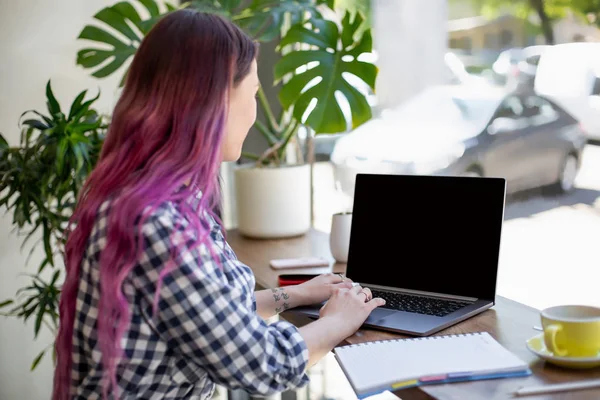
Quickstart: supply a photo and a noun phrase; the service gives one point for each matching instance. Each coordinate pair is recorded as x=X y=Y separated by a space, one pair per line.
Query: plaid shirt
x=205 y=331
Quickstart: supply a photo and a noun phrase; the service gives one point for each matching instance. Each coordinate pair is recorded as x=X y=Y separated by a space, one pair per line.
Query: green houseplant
x=317 y=55
x=39 y=182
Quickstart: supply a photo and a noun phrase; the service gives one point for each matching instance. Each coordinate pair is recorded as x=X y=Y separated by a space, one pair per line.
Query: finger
x=338 y=278
x=341 y=290
x=356 y=289
x=367 y=291
x=362 y=292
x=343 y=285
x=374 y=303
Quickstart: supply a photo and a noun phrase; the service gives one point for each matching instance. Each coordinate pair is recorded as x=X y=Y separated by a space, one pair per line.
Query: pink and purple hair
x=164 y=140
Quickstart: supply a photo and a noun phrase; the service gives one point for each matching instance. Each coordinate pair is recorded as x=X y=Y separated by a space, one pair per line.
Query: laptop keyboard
x=418 y=304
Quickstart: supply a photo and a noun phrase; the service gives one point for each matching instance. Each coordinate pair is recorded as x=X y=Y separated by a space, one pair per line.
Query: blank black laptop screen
x=428 y=233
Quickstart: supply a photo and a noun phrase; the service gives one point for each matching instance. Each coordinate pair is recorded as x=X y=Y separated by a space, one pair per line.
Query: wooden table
x=511 y=323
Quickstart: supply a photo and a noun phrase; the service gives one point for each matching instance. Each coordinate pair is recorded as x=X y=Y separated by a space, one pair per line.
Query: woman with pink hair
x=155 y=304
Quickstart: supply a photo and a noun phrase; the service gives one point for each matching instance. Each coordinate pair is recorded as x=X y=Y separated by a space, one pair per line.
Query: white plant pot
x=273 y=202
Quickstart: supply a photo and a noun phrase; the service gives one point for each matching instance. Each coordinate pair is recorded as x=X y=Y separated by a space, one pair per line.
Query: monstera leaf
x=335 y=53
x=263 y=19
x=225 y=8
x=115 y=50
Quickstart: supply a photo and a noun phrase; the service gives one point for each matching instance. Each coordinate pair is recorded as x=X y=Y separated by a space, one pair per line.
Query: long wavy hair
x=163 y=144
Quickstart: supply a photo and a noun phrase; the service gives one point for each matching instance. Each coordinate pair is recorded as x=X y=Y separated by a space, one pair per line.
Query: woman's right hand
x=350 y=307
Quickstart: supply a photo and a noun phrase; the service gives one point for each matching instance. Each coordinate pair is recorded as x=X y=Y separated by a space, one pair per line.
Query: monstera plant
x=314 y=50
x=320 y=49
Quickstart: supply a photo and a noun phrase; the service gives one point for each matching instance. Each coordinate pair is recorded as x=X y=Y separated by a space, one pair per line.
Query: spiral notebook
x=374 y=367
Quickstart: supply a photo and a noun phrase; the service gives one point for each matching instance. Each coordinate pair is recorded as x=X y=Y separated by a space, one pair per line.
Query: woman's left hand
x=320 y=288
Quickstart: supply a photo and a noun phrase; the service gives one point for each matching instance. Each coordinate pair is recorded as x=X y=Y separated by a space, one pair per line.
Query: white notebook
x=374 y=367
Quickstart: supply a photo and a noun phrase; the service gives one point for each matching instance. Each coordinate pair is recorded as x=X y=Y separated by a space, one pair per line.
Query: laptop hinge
x=420 y=293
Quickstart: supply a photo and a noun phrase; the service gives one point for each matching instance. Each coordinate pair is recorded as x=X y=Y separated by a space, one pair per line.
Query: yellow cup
x=572 y=330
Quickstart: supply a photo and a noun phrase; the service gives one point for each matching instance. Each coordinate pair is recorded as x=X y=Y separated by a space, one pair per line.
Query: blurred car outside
x=465 y=130
x=455 y=73
x=569 y=74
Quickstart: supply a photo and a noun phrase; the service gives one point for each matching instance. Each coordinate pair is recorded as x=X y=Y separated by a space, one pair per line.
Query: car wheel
x=568 y=173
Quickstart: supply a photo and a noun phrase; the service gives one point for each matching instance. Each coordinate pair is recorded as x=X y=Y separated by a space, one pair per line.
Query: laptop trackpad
x=378 y=314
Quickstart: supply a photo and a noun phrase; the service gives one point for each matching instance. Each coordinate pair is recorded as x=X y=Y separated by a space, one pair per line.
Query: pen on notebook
x=559 y=387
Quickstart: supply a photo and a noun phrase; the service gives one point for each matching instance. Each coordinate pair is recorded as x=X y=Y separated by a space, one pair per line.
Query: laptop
x=429 y=245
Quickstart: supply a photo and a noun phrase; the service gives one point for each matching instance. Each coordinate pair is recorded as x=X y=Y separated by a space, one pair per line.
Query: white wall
x=37 y=42
x=410 y=38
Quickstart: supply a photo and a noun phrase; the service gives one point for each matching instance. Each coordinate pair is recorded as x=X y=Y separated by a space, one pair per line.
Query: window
x=511 y=108
x=596 y=88
x=506 y=38
x=490 y=41
x=533 y=60
x=539 y=110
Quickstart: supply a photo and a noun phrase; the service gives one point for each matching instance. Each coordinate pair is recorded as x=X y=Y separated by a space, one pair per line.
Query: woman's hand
x=340 y=317
x=350 y=308
x=320 y=288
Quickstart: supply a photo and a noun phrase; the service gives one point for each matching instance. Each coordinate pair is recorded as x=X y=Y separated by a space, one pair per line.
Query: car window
x=533 y=60
x=511 y=107
x=539 y=110
x=596 y=88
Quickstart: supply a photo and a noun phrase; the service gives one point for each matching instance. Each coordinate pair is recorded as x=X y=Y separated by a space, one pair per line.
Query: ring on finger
x=341 y=276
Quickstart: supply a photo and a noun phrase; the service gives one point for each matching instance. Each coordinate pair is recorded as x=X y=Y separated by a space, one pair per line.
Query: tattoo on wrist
x=278 y=294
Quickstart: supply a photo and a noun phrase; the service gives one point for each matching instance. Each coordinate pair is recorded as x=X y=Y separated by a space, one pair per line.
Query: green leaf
x=34 y=123
x=76 y=105
x=78 y=152
x=40 y=317
x=328 y=3
x=48 y=120
x=82 y=128
x=118 y=18
x=55 y=278
x=264 y=19
x=6 y=303
x=225 y=8
x=53 y=107
x=151 y=6
x=129 y=13
x=3 y=143
x=95 y=34
x=47 y=246
x=61 y=152
x=115 y=58
x=37 y=360
x=113 y=18
x=26 y=313
x=43 y=265
x=336 y=53
x=84 y=109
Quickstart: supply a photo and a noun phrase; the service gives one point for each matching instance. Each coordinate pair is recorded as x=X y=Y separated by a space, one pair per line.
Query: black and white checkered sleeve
x=203 y=317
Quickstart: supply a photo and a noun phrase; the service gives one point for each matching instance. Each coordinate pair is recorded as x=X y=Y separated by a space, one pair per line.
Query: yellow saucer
x=537 y=346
